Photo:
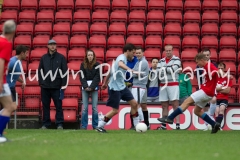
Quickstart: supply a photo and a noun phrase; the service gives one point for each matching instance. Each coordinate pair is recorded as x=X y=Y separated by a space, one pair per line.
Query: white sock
x=212 y=108
x=135 y=121
x=101 y=123
x=140 y=114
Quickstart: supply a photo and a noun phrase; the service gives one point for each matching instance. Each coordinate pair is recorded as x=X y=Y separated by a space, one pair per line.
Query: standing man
x=169 y=68
x=8 y=33
x=139 y=85
x=52 y=89
x=117 y=89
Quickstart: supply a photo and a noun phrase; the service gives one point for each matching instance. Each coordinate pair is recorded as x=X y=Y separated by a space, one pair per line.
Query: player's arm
x=2 y=62
x=123 y=66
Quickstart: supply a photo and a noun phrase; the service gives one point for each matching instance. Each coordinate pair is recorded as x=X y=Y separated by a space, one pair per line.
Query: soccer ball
x=141 y=127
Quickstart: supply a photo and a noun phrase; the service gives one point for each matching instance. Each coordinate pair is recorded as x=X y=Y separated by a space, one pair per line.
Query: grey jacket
x=141 y=81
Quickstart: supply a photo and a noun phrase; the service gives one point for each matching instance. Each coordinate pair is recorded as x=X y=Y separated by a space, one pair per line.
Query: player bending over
x=200 y=97
x=117 y=89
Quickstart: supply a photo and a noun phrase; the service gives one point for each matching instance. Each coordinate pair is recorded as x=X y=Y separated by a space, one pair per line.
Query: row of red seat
x=119 y=17
x=206 y=5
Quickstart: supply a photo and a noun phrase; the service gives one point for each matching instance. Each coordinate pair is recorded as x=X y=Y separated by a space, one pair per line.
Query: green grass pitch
x=120 y=145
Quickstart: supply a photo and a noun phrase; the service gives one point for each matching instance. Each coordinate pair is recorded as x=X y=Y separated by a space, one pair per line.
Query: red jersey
x=5 y=54
x=210 y=79
x=224 y=83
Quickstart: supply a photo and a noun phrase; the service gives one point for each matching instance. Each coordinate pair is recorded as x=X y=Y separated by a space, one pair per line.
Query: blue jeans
x=85 y=98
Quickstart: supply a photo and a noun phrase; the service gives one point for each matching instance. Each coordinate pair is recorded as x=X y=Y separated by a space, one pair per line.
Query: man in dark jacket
x=52 y=81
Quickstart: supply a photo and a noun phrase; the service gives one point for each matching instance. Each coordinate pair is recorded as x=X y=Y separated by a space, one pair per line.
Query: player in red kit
x=200 y=97
x=9 y=28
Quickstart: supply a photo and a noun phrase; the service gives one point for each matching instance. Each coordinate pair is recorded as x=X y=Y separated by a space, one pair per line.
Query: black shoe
x=161 y=128
x=177 y=127
x=132 y=128
x=165 y=120
x=100 y=129
x=216 y=128
x=148 y=128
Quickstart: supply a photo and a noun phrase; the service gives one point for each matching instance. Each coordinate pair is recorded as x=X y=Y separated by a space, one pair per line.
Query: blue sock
x=206 y=118
x=3 y=122
x=175 y=113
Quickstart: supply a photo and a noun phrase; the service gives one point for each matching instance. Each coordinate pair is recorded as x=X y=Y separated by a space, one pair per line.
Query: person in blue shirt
x=14 y=70
x=130 y=63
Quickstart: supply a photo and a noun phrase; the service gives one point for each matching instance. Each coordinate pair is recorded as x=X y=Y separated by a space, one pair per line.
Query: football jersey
x=5 y=54
x=210 y=79
x=223 y=82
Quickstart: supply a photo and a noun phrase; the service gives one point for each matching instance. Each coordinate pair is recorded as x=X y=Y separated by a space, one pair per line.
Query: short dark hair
x=206 y=50
x=222 y=64
x=137 y=48
x=20 y=49
x=200 y=56
x=154 y=58
x=128 y=47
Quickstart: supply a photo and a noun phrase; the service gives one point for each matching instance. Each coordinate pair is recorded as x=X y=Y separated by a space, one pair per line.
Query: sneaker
x=43 y=127
x=216 y=127
x=177 y=127
x=101 y=130
x=161 y=128
x=148 y=128
x=3 y=139
x=60 y=127
x=132 y=128
x=165 y=120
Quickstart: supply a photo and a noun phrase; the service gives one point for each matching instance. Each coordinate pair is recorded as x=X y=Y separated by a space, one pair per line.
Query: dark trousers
x=47 y=95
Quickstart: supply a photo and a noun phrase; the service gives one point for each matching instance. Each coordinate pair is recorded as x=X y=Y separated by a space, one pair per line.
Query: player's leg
x=173 y=92
x=213 y=106
x=163 y=98
x=84 y=120
x=137 y=94
x=94 y=109
x=46 y=100
x=222 y=107
x=144 y=109
x=55 y=94
x=13 y=95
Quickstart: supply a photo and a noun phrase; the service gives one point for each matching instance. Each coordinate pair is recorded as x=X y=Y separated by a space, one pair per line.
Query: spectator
x=52 y=89
x=169 y=86
x=130 y=63
x=153 y=83
x=185 y=87
x=90 y=82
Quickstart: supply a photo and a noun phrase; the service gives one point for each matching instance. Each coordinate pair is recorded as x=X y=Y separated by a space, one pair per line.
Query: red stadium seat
x=62 y=51
x=26 y=17
x=11 y=5
x=188 y=55
x=173 y=17
x=97 y=42
x=24 y=65
x=74 y=79
x=36 y=54
x=117 y=29
x=118 y=17
x=8 y=15
x=98 y=29
x=99 y=54
x=209 y=30
x=31 y=80
x=229 y=6
x=24 y=29
x=172 y=30
x=120 y=5
x=82 y=17
x=27 y=5
x=63 y=5
x=72 y=91
x=227 y=55
x=62 y=41
x=40 y=42
x=210 y=6
x=78 y=42
x=189 y=67
x=190 y=43
x=83 y=5
x=154 y=30
x=100 y=17
x=153 y=43
x=61 y=29
x=45 y=17
x=43 y=30
x=175 y=41
x=238 y=55
x=232 y=67
x=228 y=30
x=23 y=40
x=229 y=18
x=136 y=40
x=80 y=29
x=138 y=5
x=101 y=5
x=228 y=43
x=47 y=5
x=137 y=17
x=190 y=17
x=63 y=17
x=76 y=54
x=209 y=42
x=191 y=30
x=116 y=42
x=75 y=66
x=150 y=54
x=155 y=17
x=135 y=29
x=33 y=67
x=156 y=5
x=174 y=6
x=111 y=55
x=210 y=18
x=192 y=6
